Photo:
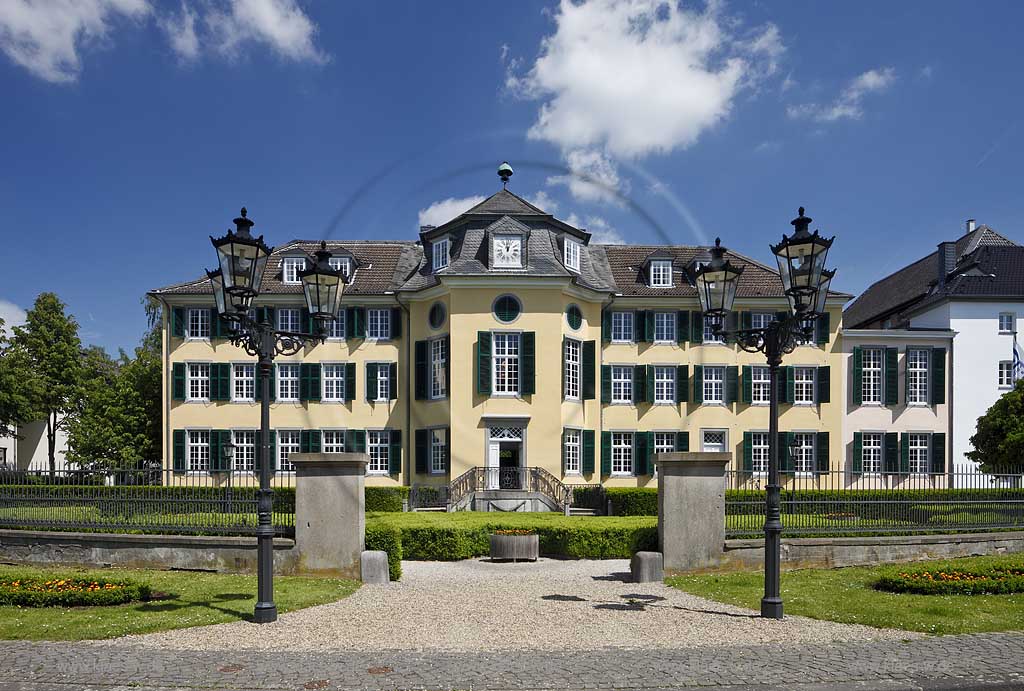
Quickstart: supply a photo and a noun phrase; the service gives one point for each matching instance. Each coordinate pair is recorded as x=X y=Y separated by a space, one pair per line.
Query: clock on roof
x=508 y=251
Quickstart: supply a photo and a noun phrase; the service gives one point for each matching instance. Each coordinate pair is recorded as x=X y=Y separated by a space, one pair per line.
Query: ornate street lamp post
x=243 y=260
x=801 y=259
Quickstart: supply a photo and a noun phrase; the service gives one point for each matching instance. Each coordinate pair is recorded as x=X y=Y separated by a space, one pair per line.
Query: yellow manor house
x=502 y=343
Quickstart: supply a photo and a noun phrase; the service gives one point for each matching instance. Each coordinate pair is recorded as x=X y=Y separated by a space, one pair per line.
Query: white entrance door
x=713 y=440
x=493 y=463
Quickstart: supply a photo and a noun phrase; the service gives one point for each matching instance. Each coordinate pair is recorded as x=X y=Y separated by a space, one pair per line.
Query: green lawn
x=190 y=599
x=846 y=595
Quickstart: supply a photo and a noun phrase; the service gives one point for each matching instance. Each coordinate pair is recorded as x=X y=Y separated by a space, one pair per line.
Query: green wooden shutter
x=682 y=383
x=309 y=388
x=938 y=452
x=642 y=443
x=393 y=381
x=747 y=320
x=698 y=384
x=824 y=384
x=938 y=375
x=858 y=452
x=858 y=375
x=178 y=457
x=483 y=363
x=422 y=451
x=892 y=376
x=395 y=453
x=396 y=322
x=781 y=316
x=649 y=384
x=648 y=321
x=606 y=326
x=891 y=455
x=731 y=383
x=273 y=382
x=305 y=320
x=371 y=381
x=606 y=453
x=637 y=383
x=355 y=440
x=822 y=329
x=821 y=453
x=588 y=451
x=528 y=363
x=178 y=381
x=748 y=452
x=589 y=360
x=785 y=455
x=309 y=441
x=682 y=326
x=225 y=381
x=355 y=322
x=731 y=324
x=747 y=394
x=563 y=452
x=178 y=322
x=682 y=440
x=350 y=381
x=696 y=327
x=905 y=452
x=304 y=441
x=219 y=438
x=606 y=383
x=790 y=384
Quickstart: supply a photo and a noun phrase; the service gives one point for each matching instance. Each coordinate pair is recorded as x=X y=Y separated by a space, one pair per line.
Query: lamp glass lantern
x=243 y=260
x=217 y=282
x=322 y=286
x=716 y=283
x=801 y=259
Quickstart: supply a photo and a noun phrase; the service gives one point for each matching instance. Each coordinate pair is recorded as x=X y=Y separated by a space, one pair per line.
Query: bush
x=387 y=538
x=589 y=497
x=633 y=501
x=953 y=581
x=868 y=504
x=387 y=499
x=70 y=592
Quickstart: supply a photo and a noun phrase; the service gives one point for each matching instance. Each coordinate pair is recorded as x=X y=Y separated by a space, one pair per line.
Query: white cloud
x=181 y=32
x=770 y=146
x=848 y=105
x=445 y=210
x=594 y=178
x=11 y=314
x=46 y=37
x=601 y=232
x=789 y=83
x=927 y=72
x=279 y=24
x=543 y=201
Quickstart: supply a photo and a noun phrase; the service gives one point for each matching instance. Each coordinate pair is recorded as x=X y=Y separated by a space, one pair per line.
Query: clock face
x=507 y=251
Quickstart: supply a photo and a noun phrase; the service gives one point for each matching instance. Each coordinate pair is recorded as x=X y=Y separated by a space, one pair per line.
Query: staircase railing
x=529 y=479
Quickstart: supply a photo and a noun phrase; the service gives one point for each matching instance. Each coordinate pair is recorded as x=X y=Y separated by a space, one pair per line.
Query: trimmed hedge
x=945 y=581
x=387 y=538
x=386 y=499
x=633 y=501
x=589 y=497
x=70 y=592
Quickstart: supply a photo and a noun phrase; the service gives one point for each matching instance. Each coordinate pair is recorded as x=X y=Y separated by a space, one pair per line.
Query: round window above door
x=437 y=315
x=507 y=308
x=574 y=317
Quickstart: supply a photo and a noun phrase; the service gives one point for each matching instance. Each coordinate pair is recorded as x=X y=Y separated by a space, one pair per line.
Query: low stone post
x=330 y=516
x=691 y=509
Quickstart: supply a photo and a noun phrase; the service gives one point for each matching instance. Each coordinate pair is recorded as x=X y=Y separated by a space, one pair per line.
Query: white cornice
x=899 y=334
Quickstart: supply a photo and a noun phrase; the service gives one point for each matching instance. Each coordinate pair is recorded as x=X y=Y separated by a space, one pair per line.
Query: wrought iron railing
x=528 y=479
x=841 y=502
x=149 y=501
x=428 y=496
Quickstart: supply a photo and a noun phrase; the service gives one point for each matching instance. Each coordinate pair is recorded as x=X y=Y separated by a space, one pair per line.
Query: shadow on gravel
x=563 y=598
x=642 y=596
x=623 y=606
x=620 y=576
x=735 y=615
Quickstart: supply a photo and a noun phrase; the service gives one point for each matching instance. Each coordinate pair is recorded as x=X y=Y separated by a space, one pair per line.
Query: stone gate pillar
x=330 y=517
x=691 y=509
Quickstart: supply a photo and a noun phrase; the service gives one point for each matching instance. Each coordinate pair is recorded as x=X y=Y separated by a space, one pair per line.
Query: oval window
x=507 y=308
x=437 y=315
x=574 y=317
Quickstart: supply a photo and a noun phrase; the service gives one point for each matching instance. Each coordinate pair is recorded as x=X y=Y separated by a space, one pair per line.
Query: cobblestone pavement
x=984 y=661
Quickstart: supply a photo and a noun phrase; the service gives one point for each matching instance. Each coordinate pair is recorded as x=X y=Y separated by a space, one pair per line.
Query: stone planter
x=515 y=547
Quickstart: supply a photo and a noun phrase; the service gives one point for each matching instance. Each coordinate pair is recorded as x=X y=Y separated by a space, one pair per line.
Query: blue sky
x=134 y=129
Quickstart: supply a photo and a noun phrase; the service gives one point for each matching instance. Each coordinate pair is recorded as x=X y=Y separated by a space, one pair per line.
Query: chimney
x=426 y=229
x=947 y=260
x=969 y=225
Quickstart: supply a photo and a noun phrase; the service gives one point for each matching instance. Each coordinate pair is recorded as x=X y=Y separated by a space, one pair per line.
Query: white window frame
x=803 y=386
x=197 y=375
x=918 y=453
x=378 y=324
x=918 y=371
x=343 y=264
x=664 y=384
x=338 y=382
x=438 y=450
x=660 y=273
x=373 y=451
x=622 y=323
x=439 y=254
x=202 y=317
x=499 y=264
x=802 y=465
x=438 y=368
x=759 y=452
x=332 y=440
x=875 y=382
x=761 y=320
x=1010 y=317
x=286 y=447
x=622 y=384
x=709 y=336
x=760 y=385
x=199 y=462
x=281 y=379
x=664 y=441
x=503 y=359
x=289 y=319
x=336 y=326
x=572 y=252
x=290 y=268
x=1005 y=374
x=664 y=327
x=383 y=382
x=573 y=451
x=573 y=357
x=715 y=385
x=714 y=430
x=876 y=463
x=243 y=380
x=243 y=460
x=622 y=453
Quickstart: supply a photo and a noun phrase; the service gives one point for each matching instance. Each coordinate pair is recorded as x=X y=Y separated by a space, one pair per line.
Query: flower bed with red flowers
x=70 y=592
x=939 y=581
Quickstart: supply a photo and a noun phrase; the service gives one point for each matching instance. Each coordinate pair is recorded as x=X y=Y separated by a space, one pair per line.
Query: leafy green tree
x=49 y=340
x=18 y=387
x=999 y=439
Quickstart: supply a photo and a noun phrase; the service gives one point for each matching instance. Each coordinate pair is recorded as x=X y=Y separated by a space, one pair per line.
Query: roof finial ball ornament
x=505 y=172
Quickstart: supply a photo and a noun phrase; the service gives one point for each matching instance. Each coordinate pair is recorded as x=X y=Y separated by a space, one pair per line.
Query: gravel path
x=478 y=605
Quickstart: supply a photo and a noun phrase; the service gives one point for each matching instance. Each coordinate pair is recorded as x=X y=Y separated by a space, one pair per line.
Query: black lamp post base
x=265 y=613
x=771 y=607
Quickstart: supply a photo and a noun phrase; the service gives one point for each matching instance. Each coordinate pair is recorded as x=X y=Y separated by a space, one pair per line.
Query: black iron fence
x=145 y=501
x=840 y=502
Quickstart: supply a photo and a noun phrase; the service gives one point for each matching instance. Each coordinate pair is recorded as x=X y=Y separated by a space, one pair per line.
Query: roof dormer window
x=439 y=253
x=572 y=255
x=508 y=251
x=661 y=273
x=290 y=268
x=342 y=264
